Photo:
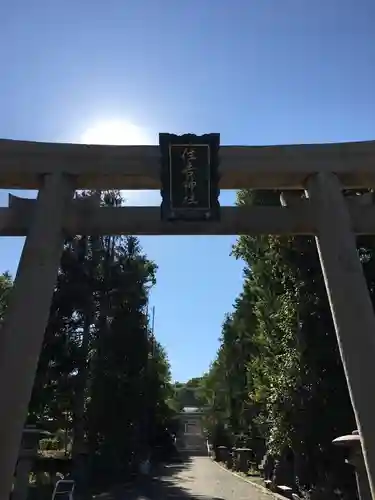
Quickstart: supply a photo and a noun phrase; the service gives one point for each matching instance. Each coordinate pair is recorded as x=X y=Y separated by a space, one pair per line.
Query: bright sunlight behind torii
x=115 y=132
x=118 y=132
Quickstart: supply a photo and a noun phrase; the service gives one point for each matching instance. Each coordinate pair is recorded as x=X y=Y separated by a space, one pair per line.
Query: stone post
x=23 y=330
x=243 y=459
x=222 y=454
x=350 y=302
x=352 y=441
x=27 y=454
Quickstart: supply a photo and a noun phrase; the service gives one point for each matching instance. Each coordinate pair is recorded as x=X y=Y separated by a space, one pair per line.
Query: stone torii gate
x=57 y=170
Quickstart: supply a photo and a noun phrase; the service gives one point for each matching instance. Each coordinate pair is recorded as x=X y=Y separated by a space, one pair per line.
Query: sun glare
x=116 y=133
x=122 y=133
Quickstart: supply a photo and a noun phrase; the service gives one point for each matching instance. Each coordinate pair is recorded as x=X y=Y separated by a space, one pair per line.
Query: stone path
x=198 y=479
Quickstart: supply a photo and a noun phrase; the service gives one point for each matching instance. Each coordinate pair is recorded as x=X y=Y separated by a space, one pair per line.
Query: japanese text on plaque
x=189 y=171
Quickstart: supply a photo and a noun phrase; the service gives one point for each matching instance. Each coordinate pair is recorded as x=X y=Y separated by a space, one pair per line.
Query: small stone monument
x=243 y=456
x=222 y=454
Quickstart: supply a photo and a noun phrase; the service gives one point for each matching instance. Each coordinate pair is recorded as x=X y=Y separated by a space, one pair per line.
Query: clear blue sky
x=257 y=71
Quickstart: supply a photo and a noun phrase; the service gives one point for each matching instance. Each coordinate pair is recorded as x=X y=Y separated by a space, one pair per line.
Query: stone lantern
x=28 y=452
x=243 y=456
x=353 y=443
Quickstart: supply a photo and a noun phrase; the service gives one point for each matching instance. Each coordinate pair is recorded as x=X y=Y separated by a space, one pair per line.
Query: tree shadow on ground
x=159 y=487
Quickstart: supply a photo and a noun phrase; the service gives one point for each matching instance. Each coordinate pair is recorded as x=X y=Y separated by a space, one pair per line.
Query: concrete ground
x=196 y=479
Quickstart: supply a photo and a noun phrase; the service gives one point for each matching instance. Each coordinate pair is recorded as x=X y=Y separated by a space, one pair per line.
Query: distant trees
x=187 y=394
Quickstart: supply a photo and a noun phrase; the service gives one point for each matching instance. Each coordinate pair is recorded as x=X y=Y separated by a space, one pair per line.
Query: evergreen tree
x=285 y=383
x=101 y=376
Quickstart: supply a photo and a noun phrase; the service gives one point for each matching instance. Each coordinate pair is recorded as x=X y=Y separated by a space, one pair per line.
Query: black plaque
x=189 y=177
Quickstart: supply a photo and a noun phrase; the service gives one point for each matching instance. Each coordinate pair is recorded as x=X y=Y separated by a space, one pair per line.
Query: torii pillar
x=22 y=335
x=352 y=310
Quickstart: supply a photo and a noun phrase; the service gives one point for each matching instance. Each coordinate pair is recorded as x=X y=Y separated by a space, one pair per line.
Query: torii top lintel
x=138 y=167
